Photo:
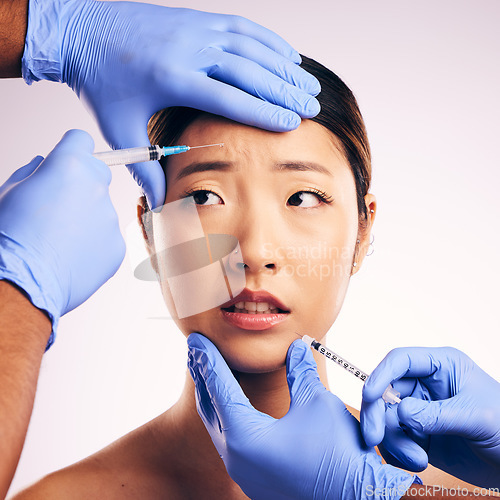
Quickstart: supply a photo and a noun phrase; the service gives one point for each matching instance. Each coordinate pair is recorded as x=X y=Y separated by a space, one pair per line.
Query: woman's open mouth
x=254 y=308
x=261 y=313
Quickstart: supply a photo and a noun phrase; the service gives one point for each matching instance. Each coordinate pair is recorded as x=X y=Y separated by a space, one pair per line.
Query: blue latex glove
x=314 y=451
x=128 y=60
x=59 y=234
x=450 y=414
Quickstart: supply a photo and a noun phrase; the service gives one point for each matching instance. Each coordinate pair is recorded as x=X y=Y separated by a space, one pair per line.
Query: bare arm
x=24 y=331
x=13 y=26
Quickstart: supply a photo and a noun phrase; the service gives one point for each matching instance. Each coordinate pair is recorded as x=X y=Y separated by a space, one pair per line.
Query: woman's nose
x=259 y=245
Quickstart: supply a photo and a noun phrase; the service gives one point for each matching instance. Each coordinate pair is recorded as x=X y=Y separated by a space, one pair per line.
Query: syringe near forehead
x=142 y=154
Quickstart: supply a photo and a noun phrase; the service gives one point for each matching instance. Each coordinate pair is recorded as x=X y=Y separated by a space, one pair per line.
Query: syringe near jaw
x=390 y=395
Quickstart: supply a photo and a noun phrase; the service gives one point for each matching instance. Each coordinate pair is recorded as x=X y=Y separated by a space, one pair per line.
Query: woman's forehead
x=310 y=141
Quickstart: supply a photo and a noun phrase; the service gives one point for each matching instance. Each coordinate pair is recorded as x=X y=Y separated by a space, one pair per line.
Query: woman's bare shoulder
x=122 y=470
x=85 y=479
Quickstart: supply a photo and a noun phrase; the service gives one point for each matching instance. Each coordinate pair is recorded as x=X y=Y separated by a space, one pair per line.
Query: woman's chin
x=254 y=357
x=258 y=366
x=244 y=351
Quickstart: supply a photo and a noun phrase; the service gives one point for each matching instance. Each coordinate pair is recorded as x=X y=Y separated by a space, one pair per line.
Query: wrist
x=24 y=326
x=13 y=23
x=30 y=273
x=375 y=480
x=50 y=25
x=41 y=58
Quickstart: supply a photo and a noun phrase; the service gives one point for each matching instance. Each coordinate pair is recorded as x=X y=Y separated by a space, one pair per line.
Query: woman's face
x=290 y=200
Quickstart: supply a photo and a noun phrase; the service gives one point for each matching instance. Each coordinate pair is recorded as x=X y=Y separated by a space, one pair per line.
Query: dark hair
x=339 y=114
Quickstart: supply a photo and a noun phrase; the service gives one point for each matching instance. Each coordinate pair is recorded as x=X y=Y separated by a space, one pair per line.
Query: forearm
x=13 y=26
x=24 y=331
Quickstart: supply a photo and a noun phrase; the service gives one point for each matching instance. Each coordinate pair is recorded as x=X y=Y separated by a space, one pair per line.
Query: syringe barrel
x=329 y=354
x=390 y=394
x=129 y=156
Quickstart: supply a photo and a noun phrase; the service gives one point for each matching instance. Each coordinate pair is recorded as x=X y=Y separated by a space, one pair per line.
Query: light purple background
x=427 y=78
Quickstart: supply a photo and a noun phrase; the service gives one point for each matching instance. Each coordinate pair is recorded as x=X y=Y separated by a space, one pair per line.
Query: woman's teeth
x=254 y=308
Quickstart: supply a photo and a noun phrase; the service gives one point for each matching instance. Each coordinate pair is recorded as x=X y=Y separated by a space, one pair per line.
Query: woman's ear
x=145 y=221
x=364 y=235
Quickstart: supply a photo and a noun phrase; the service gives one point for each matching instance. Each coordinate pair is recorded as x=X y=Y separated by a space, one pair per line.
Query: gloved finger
x=151 y=179
x=243 y=26
x=373 y=414
x=22 y=173
x=73 y=155
x=222 y=388
x=252 y=50
x=447 y=417
x=302 y=374
x=372 y=421
x=406 y=386
x=73 y=141
x=400 y=362
x=148 y=175
x=204 y=404
x=237 y=105
x=398 y=448
x=255 y=80
x=395 y=461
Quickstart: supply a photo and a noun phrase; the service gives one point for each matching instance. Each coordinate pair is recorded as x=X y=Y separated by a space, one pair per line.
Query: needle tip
x=299 y=334
x=206 y=146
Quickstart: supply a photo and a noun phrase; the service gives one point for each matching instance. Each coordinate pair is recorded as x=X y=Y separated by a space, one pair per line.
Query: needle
x=206 y=146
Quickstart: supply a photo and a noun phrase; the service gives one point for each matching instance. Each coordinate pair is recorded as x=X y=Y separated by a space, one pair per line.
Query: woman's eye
x=204 y=197
x=304 y=199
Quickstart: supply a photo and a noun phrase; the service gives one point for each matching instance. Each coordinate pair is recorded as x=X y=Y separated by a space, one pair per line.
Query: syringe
x=148 y=153
x=390 y=394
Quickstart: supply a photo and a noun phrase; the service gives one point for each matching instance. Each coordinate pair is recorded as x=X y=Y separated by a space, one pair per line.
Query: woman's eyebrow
x=223 y=166
x=204 y=167
x=302 y=166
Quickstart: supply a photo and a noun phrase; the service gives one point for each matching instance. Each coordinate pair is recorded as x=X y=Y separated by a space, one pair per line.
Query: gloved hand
x=128 y=60
x=314 y=451
x=59 y=234
x=450 y=415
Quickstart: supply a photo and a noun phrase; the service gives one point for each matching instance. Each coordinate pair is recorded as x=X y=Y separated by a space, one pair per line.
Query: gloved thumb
x=220 y=399
x=302 y=374
x=148 y=175
x=434 y=417
x=22 y=173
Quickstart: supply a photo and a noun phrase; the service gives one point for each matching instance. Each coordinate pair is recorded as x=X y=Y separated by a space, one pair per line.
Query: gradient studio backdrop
x=426 y=76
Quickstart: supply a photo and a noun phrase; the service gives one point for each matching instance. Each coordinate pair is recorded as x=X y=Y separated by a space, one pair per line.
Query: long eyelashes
x=198 y=194
x=324 y=197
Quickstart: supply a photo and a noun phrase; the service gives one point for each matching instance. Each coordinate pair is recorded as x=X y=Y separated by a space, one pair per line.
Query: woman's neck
x=183 y=445
x=267 y=392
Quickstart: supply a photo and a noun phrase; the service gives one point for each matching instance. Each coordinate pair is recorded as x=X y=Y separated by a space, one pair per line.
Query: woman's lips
x=254 y=310
x=247 y=295
x=248 y=321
